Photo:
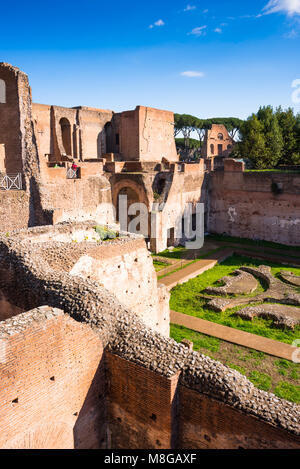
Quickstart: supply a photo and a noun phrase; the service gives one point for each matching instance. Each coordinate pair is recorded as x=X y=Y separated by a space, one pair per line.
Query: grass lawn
x=251 y=242
x=158 y=265
x=175 y=253
x=185 y=299
x=179 y=253
x=291 y=171
x=266 y=372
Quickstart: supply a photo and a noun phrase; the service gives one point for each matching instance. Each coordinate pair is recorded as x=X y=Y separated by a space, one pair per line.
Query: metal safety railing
x=73 y=173
x=11 y=182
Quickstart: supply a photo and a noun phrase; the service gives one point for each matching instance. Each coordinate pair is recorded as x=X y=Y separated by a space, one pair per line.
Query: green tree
x=261 y=139
x=184 y=123
x=287 y=123
x=253 y=142
x=296 y=155
x=272 y=134
x=290 y=128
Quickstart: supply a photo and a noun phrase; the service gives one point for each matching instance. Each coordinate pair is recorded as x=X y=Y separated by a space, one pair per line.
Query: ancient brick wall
x=2 y=158
x=264 y=206
x=52 y=386
x=146 y=135
x=217 y=142
x=123 y=266
x=78 y=199
x=42 y=119
x=127 y=271
x=140 y=407
x=205 y=423
x=147 y=410
x=128 y=124
x=39 y=408
x=92 y=132
x=58 y=390
x=10 y=119
x=14 y=210
x=156 y=135
x=186 y=187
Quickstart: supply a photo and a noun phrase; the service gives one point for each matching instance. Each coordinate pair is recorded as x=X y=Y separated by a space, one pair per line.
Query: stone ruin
x=244 y=282
x=85 y=358
x=45 y=285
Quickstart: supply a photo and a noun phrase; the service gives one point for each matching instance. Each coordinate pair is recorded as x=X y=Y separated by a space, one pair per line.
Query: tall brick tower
x=16 y=128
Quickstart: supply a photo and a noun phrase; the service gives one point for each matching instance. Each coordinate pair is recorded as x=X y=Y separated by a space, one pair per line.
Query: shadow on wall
x=90 y=429
x=13 y=300
x=7 y=309
x=37 y=215
x=161 y=186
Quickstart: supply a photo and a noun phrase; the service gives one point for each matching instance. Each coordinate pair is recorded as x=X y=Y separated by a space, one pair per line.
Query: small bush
x=105 y=233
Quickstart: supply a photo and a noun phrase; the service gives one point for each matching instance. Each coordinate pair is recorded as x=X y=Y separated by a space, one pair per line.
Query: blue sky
x=207 y=58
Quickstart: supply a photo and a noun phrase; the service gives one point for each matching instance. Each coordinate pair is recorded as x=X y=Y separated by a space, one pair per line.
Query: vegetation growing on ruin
x=186 y=298
x=266 y=372
x=105 y=233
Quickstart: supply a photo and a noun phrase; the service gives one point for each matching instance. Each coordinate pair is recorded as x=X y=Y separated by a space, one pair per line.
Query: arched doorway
x=66 y=136
x=139 y=215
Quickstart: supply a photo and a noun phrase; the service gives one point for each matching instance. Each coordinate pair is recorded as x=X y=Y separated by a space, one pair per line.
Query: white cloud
x=200 y=31
x=218 y=30
x=290 y=7
x=190 y=8
x=293 y=34
x=205 y=11
x=192 y=74
x=157 y=23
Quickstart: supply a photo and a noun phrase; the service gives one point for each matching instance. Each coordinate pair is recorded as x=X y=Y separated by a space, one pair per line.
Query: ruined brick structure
x=85 y=358
x=255 y=205
x=131 y=153
x=86 y=372
x=217 y=142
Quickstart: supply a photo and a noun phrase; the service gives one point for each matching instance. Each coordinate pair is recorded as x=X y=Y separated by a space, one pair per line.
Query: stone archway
x=66 y=135
x=135 y=194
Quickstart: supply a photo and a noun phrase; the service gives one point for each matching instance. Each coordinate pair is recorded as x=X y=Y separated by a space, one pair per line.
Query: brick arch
x=136 y=193
x=66 y=135
x=137 y=188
